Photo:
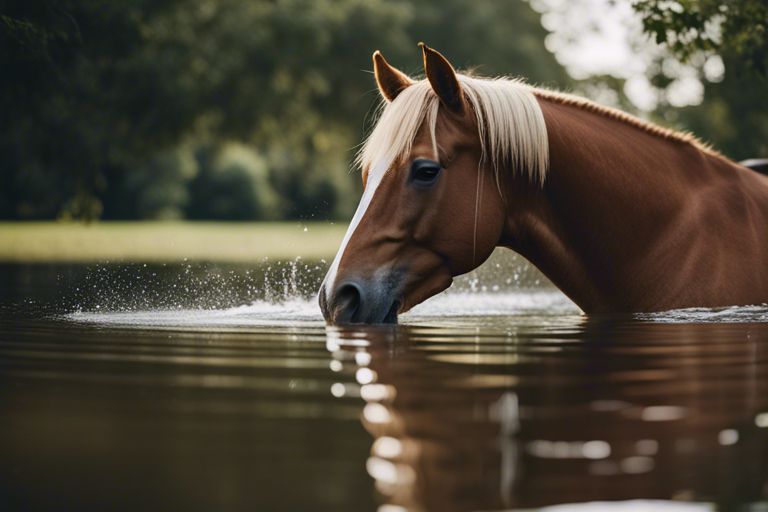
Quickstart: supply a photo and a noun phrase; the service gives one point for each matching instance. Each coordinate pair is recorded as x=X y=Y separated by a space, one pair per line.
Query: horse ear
x=391 y=81
x=442 y=78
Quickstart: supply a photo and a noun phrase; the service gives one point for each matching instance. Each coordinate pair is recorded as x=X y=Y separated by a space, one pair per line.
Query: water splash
x=301 y=311
x=185 y=286
x=284 y=293
x=293 y=312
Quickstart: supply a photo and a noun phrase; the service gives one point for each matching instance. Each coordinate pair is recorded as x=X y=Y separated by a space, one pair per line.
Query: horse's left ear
x=442 y=78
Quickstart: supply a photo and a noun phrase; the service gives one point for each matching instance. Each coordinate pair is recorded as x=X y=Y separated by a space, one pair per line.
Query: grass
x=62 y=242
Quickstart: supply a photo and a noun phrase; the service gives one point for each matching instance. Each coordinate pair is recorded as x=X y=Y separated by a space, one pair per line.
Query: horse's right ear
x=391 y=81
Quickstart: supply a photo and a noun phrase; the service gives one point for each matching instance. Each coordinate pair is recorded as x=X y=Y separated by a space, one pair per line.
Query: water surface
x=217 y=387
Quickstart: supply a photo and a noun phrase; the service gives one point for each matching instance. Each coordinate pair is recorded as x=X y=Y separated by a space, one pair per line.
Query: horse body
x=621 y=215
x=631 y=221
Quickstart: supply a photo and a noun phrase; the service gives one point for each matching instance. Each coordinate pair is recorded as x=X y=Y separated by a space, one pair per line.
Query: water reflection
x=95 y=418
x=499 y=418
x=197 y=387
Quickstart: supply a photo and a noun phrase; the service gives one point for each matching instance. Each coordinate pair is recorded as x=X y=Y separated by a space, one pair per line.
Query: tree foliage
x=124 y=109
x=736 y=27
x=246 y=109
x=734 y=113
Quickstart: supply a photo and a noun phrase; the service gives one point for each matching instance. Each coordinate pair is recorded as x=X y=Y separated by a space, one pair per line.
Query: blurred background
x=233 y=110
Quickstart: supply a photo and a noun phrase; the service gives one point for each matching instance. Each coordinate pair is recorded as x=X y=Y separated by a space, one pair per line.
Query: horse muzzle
x=360 y=301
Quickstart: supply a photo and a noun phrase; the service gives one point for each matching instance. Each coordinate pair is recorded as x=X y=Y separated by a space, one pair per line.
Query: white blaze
x=374 y=179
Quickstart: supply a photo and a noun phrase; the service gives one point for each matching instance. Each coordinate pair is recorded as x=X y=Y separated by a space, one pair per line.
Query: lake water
x=203 y=387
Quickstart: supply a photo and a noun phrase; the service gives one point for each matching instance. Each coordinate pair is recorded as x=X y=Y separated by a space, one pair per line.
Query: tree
x=735 y=27
x=104 y=100
x=75 y=103
x=734 y=113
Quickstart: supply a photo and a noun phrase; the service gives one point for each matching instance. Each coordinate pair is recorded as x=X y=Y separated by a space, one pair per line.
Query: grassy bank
x=166 y=241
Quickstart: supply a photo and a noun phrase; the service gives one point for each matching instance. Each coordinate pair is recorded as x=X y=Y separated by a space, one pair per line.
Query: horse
x=620 y=214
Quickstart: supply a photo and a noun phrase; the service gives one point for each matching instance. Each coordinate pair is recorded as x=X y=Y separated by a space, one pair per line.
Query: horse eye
x=424 y=172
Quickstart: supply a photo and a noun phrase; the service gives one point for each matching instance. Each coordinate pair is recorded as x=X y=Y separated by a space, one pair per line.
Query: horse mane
x=509 y=118
x=624 y=117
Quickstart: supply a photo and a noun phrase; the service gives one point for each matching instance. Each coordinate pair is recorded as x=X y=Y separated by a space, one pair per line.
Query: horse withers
x=622 y=215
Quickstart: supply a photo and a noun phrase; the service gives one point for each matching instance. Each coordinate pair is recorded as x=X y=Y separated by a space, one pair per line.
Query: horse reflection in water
x=485 y=421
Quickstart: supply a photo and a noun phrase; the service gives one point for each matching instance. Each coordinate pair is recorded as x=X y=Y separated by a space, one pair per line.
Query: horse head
x=432 y=206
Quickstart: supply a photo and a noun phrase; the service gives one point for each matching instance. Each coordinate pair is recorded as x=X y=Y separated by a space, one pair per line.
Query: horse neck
x=612 y=188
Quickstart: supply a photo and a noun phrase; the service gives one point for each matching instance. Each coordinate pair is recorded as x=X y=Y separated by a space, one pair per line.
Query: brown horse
x=622 y=215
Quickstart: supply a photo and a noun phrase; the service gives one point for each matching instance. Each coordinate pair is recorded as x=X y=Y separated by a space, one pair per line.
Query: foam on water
x=295 y=312
x=733 y=314
x=543 y=301
x=301 y=311
x=631 y=506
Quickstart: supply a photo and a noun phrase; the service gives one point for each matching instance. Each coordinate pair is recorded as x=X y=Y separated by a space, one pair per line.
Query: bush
x=232 y=183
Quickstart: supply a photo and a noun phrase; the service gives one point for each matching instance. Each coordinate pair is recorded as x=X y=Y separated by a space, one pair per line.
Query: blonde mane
x=509 y=119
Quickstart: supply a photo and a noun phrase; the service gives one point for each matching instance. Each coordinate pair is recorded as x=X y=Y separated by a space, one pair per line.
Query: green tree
x=734 y=113
x=232 y=184
x=734 y=27
x=102 y=99
x=75 y=103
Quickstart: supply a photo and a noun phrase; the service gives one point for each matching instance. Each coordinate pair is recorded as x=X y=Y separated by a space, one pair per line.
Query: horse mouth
x=391 y=316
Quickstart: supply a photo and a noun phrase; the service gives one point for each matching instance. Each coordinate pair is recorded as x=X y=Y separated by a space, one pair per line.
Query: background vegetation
x=244 y=110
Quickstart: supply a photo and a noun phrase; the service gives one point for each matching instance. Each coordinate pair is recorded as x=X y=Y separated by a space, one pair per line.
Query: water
x=213 y=387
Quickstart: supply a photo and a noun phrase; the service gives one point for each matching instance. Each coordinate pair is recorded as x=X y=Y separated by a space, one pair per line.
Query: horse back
x=738 y=222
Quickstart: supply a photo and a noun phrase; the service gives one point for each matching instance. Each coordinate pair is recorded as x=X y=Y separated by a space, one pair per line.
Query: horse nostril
x=346 y=303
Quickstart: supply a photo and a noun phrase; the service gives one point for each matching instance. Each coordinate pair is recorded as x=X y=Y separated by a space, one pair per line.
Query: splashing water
x=284 y=293
x=204 y=286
